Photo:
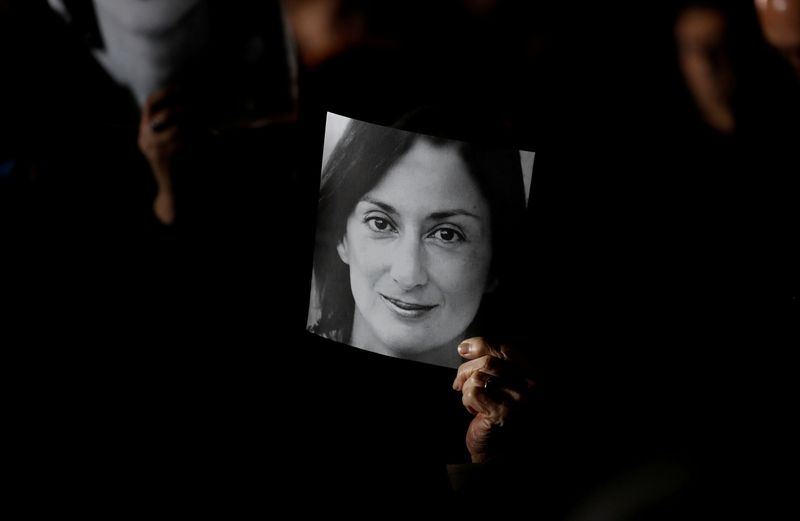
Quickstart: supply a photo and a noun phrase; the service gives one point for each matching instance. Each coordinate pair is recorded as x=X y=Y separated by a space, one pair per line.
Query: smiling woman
x=413 y=233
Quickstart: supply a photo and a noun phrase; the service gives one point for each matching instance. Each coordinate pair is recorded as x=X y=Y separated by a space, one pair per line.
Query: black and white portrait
x=413 y=233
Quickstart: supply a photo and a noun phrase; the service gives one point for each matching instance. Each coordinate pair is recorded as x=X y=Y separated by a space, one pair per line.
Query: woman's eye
x=448 y=235
x=376 y=224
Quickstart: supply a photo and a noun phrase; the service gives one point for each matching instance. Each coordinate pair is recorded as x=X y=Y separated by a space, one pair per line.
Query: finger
x=153 y=141
x=510 y=372
x=159 y=121
x=474 y=396
x=475 y=347
x=168 y=136
x=492 y=403
x=152 y=106
x=162 y=145
x=160 y=99
x=501 y=389
x=166 y=118
x=488 y=364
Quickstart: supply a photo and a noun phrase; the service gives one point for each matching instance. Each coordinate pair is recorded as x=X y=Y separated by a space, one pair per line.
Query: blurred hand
x=160 y=142
x=496 y=386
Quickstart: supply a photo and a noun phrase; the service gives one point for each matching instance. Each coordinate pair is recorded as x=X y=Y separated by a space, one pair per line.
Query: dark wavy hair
x=361 y=158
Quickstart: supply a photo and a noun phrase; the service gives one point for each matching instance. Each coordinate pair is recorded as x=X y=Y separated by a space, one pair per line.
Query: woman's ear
x=341 y=248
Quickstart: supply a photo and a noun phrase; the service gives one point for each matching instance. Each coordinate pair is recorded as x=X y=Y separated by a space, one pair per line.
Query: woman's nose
x=408 y=269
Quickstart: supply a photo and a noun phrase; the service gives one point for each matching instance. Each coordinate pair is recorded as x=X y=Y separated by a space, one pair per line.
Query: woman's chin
x=407 y=348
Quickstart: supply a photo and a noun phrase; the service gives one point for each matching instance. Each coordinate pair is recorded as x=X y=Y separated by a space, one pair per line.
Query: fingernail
x=463 y=348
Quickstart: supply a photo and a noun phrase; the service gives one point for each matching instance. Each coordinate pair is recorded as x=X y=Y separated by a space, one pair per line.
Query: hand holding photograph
x=413 y=234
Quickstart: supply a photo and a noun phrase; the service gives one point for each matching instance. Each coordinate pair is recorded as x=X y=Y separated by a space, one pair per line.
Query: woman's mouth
x=407 y=309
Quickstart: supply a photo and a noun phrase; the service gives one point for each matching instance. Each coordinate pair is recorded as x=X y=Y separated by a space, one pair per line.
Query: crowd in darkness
x=157 y=245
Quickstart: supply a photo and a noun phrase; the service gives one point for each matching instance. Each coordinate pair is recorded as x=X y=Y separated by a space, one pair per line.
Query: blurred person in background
x=723 y=66
x=324 y=28
x=194 y=69
x=780 y=25
x=88 y=156
x=780 y=22
x=704 y=53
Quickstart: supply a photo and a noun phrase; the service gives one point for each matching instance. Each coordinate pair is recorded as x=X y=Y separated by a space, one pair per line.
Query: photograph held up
x=415 y=234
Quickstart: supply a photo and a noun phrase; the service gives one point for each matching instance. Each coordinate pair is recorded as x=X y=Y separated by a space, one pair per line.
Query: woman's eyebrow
x=444 y=214
x=383 y=206
x=436 y=216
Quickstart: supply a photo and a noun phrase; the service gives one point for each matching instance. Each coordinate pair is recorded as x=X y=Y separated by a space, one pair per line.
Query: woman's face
x=419 y=248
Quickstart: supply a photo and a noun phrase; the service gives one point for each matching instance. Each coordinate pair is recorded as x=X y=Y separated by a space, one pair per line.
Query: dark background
x=148 y=363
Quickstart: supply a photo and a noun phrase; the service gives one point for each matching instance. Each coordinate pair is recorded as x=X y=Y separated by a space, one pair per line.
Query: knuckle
x=495 y=416
x=476 y=378
x=467 y=398
x=491 y=363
